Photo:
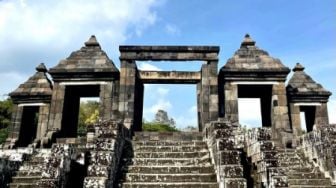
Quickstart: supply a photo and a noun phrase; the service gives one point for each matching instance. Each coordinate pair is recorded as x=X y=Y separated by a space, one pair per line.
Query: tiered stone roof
x=90 y=62
x=302 y=87
x=252 y=63
x=37 y=88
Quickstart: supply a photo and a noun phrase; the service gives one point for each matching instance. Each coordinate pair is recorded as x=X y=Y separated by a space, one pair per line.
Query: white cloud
x=161 y=104
x=162 y=92
x=332 y=110
x=60 y=21
x=249 y=112
x=34 y=31
x=10 y=81
x=172 y=29
x=158 y=101
x=185 y=121
x=193 y=109
x=148 y=67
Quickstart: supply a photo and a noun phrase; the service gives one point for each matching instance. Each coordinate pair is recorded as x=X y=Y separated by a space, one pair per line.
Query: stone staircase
x=174 y=160
x=10 y=161
x=45 y=168
x=31 y=171
x=300 y=171
x=276 y=167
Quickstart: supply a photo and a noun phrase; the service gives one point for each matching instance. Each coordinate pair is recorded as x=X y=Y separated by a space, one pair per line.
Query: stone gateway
x=44 y=150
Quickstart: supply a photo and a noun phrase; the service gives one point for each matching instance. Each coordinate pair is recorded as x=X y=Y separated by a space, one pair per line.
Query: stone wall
x=261 y=152
x=105 y=154
x=225 y=141
x=320 y=147
x=10 y=161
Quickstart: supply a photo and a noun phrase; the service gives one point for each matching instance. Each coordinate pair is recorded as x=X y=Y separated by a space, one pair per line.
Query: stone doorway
x=132 y=79
x=171 y=99
x=264 y=94
x=29 y=125
x=308 y=117
x=73 y=93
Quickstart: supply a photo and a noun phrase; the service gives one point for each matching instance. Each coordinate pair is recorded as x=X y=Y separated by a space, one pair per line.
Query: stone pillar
x=205 y=94
x=115 y=99
x=105 y=95
x=14 y=131
x=42 y=121
x=199 y=106
x=280 y=118
x=231 y=101
x=213 y=82
x=321 y=115
x=295 y=119
x=56 y=107
x=281 y=129
x=127 y=89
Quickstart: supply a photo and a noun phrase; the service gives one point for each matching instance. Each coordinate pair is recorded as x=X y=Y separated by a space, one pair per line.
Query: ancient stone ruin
x=43 y=149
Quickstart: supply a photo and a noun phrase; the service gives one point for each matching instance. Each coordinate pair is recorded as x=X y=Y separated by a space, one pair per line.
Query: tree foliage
x=161 y=123
x=158 y=127
x=88 y=115
x=6 y=109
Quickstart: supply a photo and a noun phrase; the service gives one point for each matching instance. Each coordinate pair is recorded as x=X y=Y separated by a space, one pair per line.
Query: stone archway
x=132 y=79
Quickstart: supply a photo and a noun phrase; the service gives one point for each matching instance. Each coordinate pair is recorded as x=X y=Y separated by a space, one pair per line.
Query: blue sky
x=48 y=31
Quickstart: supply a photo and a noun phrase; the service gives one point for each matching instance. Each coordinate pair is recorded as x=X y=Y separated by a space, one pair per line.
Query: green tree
x=158 y=127
x=6 y=109
x=88 y=115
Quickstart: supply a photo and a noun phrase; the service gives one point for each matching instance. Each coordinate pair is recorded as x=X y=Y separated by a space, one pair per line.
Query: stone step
x=32 y=163
x=323 y=182
x=170 y=161
x=305 y=175
x=170 y=148
x=171 y=154
x=311 y=186
x=139 y=177
x=170 y=185
x=29 y=172
x=23 y=185
x=171 y=169
x=171 y=136
x=302 y=169
x=25 y=179
x=169 y=143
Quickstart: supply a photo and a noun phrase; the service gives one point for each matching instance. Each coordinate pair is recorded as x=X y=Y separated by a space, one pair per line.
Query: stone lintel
x=85 y=76
x=307 y=98
x=261 y=75
x=307 y=104
x=84 y=83
x=31 y=99
x=204 y=49
x=32 y=104
x=181 y=77
x=169 y=53
x=254 y=83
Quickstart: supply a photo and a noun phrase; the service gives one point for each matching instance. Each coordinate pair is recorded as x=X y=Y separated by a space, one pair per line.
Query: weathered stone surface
x=90 y=62
x=301 y=87
x=37 y=88
x=251 y=63
x=168 y=161
x=221 y=154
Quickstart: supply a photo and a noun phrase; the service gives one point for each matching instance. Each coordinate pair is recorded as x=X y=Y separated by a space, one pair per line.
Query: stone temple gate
x=88 y=72
x=132 y=79
x=46 y=115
